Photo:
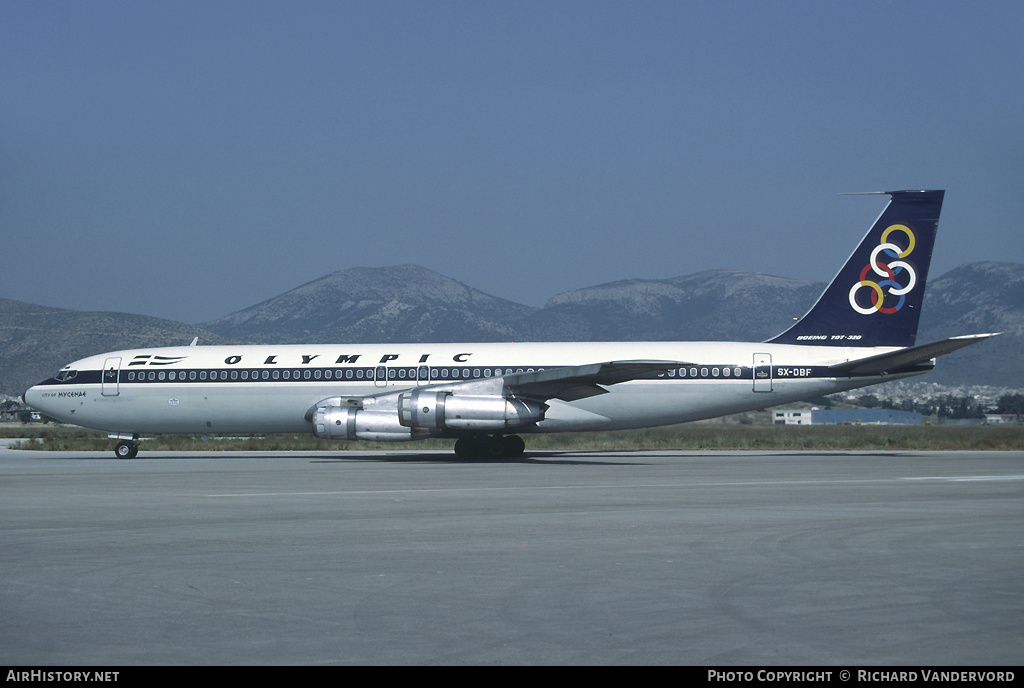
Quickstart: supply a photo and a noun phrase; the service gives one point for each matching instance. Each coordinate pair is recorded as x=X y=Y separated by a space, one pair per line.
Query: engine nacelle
x=433 y=410
x=347 y=423
x=420 y=414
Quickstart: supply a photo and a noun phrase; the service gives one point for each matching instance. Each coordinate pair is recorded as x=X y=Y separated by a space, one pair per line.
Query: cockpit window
x=65 y=375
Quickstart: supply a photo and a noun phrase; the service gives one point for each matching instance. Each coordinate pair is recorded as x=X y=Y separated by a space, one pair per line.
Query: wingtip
x=978 y=336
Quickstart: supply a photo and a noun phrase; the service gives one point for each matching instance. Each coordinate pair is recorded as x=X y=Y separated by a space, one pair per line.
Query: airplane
x=860 y=332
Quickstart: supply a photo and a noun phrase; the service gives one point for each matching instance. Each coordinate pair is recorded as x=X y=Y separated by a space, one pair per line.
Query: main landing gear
x=126 y=450
x=493 y=447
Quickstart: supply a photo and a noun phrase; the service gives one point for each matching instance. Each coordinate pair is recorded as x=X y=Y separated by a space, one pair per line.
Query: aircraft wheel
x=495 y=448
x=514 y=445
x=468 y=448
x=126 y=450
x=481 y=448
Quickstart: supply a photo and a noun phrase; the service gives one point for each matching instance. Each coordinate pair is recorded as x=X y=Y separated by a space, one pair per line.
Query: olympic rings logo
x=895 y=267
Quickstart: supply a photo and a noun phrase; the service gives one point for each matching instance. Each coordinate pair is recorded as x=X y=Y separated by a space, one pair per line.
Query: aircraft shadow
x=554 y=458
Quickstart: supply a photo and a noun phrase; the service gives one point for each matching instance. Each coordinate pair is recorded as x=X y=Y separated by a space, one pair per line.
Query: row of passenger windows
x=703 y=372
x=378 y=373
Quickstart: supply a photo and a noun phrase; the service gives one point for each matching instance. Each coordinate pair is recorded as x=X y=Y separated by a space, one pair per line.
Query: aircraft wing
x=567 y=383
x=570 y=383
x=895 y=361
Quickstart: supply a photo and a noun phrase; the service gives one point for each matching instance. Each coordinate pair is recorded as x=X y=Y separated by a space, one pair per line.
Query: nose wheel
x=126 y=450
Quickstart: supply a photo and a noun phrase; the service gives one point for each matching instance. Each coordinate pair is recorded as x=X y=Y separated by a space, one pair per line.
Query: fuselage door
x=423 y=375
x=110 y=377
x=380 y=376
x=762 y=372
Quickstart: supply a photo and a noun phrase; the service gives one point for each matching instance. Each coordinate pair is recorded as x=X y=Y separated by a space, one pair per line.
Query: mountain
x=713 y=305
x=408 y=303
x=729 y=305
x=37 y=341
x=411 y=303
x=405 y=303
x=978 y=298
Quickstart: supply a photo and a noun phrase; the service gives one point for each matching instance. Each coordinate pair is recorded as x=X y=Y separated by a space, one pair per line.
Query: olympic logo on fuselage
x=894 y=267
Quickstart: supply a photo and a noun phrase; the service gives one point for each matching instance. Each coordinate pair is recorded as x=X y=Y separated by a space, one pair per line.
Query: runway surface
x=349 y=557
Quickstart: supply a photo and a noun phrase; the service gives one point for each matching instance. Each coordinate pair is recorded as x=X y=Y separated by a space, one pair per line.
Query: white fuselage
x=268 y=388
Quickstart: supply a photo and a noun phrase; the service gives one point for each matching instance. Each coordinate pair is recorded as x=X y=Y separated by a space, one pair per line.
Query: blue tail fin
x=875 y=300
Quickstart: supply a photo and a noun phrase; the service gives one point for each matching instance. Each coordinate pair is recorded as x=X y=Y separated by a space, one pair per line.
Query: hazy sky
x=189 y=159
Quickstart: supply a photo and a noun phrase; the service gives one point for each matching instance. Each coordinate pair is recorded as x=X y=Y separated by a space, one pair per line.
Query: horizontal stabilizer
x=896 y=361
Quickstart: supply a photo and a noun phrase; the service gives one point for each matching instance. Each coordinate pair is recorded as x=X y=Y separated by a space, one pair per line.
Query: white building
x=815 y=416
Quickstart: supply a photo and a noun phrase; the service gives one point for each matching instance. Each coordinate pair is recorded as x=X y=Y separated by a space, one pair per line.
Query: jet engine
x=483 y=413
x=348 y=423
x=422 y=413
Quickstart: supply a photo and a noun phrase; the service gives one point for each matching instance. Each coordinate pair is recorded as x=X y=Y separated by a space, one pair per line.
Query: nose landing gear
x=126 y=450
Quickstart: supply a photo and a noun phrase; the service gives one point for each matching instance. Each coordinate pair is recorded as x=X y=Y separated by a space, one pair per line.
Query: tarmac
x=577 y=558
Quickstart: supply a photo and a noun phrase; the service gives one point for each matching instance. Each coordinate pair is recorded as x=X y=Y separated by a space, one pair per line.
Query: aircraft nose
x=31 y=398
